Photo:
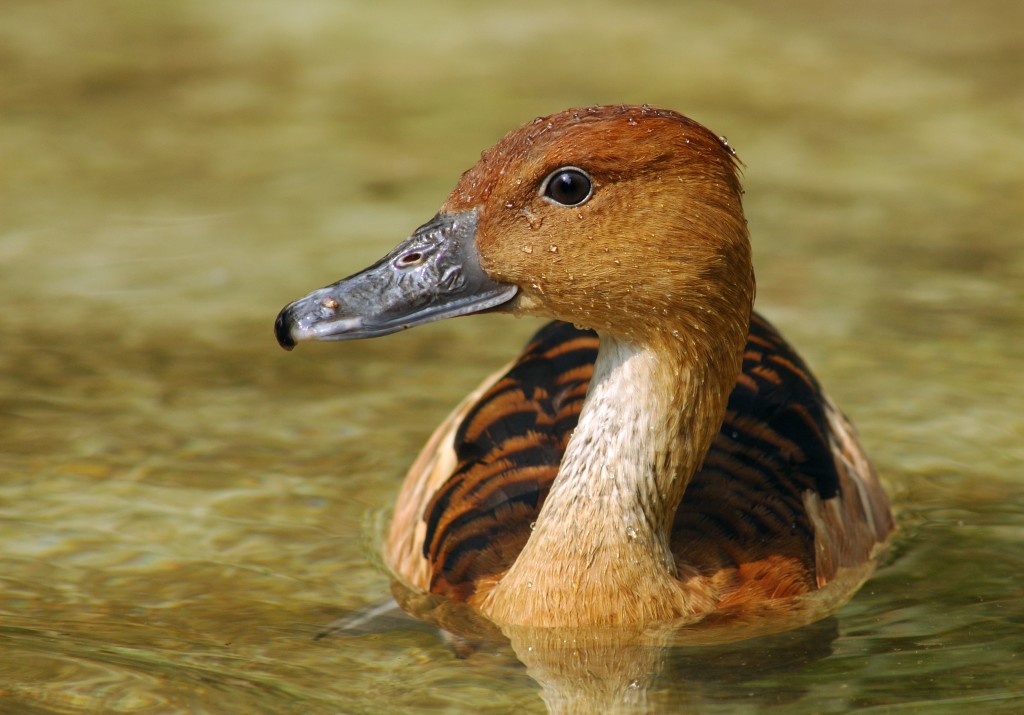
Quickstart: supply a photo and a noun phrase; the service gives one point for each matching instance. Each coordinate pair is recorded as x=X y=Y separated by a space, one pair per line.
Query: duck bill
x=434 y=274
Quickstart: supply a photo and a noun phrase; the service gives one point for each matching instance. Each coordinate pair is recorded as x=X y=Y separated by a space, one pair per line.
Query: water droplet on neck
x=533 y=525
x=527 y=249
x=631 y=533
x=553 y=249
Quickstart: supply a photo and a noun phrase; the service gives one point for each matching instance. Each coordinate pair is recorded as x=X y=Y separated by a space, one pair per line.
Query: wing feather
x=785 y=497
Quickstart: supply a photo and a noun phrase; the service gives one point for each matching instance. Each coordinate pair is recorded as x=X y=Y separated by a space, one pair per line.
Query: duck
x=658 y=453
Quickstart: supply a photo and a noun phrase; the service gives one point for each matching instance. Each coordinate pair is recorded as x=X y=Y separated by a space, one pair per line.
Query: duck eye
x=568 y=186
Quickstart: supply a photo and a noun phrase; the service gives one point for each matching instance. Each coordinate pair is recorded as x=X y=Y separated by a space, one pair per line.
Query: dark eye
x=568 y=186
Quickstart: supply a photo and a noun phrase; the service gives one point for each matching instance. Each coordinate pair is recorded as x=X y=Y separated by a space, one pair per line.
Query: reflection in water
x=635 y=669
x=635 y=673
x=640 y=668
x=632 y=671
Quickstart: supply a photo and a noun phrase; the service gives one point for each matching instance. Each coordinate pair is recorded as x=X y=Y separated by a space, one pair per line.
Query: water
x=184 y=506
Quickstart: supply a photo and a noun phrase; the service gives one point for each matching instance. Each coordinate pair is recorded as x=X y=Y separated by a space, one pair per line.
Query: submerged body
x=675 y=461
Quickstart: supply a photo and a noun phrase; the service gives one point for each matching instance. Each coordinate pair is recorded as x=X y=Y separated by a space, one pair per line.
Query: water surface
x=184 y=506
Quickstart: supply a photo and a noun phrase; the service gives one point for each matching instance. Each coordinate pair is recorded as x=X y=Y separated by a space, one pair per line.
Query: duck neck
x=600 y=550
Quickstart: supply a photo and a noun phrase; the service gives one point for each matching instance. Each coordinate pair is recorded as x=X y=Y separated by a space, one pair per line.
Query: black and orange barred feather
x=748 y=503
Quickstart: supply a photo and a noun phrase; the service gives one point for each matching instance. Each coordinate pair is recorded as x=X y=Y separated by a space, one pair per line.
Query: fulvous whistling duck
x=657 y=453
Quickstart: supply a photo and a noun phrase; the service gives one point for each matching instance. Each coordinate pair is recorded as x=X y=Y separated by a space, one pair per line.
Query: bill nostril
x=409 y=260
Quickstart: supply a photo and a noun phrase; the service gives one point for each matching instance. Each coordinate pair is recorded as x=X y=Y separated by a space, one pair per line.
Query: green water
x=183 y=505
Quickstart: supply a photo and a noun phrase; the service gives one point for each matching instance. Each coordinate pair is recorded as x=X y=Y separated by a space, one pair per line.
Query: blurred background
x=183 y=505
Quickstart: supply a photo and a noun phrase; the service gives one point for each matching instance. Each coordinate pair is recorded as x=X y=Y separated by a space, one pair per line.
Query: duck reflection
x=655 y=668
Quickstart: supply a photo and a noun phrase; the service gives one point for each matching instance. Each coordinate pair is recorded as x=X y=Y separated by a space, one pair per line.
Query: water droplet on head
x=529 y=584
x=675 y=333
x=631 y=122
x=533 y=219
x=527 y=249
x=533 y=524
x=553 y=249
x=631 y=532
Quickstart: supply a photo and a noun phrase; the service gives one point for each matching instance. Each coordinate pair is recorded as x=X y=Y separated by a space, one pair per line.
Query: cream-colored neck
x=599 y=552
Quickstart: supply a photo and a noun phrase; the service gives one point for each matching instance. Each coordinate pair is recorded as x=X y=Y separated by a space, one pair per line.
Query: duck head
x=624 y=219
